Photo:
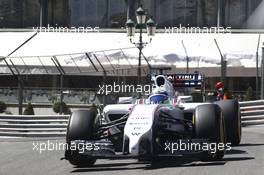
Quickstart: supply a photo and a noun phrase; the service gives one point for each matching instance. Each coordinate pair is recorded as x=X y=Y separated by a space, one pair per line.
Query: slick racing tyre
x=209 y=124
x=81 y=126
x=232 y=116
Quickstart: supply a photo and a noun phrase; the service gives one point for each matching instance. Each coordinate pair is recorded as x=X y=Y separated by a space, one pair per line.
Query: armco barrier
x=252 y=113
x=33 y=125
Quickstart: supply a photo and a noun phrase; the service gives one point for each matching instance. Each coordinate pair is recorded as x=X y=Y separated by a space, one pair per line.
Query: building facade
x=238 y=14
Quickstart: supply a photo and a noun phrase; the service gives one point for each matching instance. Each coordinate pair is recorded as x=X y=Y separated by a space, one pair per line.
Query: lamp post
x=141 y=25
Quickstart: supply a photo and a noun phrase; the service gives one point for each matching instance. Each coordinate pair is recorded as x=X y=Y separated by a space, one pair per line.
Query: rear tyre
x=209 y=124
x=232 y=117
x=81 y=126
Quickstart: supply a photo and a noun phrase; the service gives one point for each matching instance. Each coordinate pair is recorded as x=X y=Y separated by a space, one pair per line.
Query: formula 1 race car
x=162 y=125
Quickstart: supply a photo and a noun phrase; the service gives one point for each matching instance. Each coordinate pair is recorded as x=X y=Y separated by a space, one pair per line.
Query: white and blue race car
x=163 y=125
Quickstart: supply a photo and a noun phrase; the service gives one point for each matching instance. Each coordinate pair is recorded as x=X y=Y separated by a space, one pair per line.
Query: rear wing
x=186 y=80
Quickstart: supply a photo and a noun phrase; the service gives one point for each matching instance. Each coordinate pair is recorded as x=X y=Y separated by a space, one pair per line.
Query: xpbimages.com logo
x=173 y=147
x=124 y=88
x=81 y=147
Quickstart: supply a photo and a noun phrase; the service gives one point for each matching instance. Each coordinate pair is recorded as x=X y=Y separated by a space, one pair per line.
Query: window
x=19 y=13
x=185 y=12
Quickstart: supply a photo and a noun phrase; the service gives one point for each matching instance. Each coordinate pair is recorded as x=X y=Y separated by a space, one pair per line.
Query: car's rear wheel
x=209 y=124
x=81 y=126
x=232 y=117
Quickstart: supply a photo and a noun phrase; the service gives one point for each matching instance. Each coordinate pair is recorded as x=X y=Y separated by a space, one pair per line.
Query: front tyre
x=209 y=124
x=232 y=117
x=81 y=126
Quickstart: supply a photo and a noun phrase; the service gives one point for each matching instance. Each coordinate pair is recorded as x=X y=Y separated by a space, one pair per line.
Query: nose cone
x=139 y=123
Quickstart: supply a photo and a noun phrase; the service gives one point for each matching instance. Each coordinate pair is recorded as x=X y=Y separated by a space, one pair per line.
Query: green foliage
x=29 y=110
x=8 y=112
x=2 y=107
x=249 y=94
x=58 y=105
x=93 y=105
x=118 y=20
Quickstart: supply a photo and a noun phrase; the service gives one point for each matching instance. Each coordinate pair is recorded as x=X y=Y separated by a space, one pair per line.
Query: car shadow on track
x=159 y=165
x=250 y=144
x=193 y=162
x=179 y=164
x=237 y=158
x=143 y=166
x=166 y=163
x=109 y=167
x=235 y=151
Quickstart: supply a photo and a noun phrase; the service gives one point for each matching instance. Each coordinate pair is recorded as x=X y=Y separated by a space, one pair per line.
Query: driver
x=159 y=96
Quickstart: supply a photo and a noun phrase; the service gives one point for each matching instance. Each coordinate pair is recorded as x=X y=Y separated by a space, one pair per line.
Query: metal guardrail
x=252 y=112
x=33 y=125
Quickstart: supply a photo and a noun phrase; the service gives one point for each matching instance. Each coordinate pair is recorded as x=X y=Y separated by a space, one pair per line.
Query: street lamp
x=141 y=15
x=141 y=24
x=130 y=28
x=151 y=27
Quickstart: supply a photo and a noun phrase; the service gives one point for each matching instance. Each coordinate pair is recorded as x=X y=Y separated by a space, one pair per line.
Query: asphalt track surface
x=17 y=157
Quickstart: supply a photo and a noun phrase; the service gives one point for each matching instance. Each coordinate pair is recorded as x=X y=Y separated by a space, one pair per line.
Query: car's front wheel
x=232 y=117
x=209 y=124
x=81 y=126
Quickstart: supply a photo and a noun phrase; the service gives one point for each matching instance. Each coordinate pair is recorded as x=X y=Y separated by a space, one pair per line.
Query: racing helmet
x=158 y=96
x=219 y=85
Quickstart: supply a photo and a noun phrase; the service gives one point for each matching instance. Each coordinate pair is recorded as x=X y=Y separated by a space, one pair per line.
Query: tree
x=2 y=107
x=29 y=110
x=58 y=105
x=249 y=94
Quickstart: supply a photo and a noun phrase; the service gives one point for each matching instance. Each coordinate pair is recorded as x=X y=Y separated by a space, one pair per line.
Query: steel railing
x=252 y=112
x=33 y=125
